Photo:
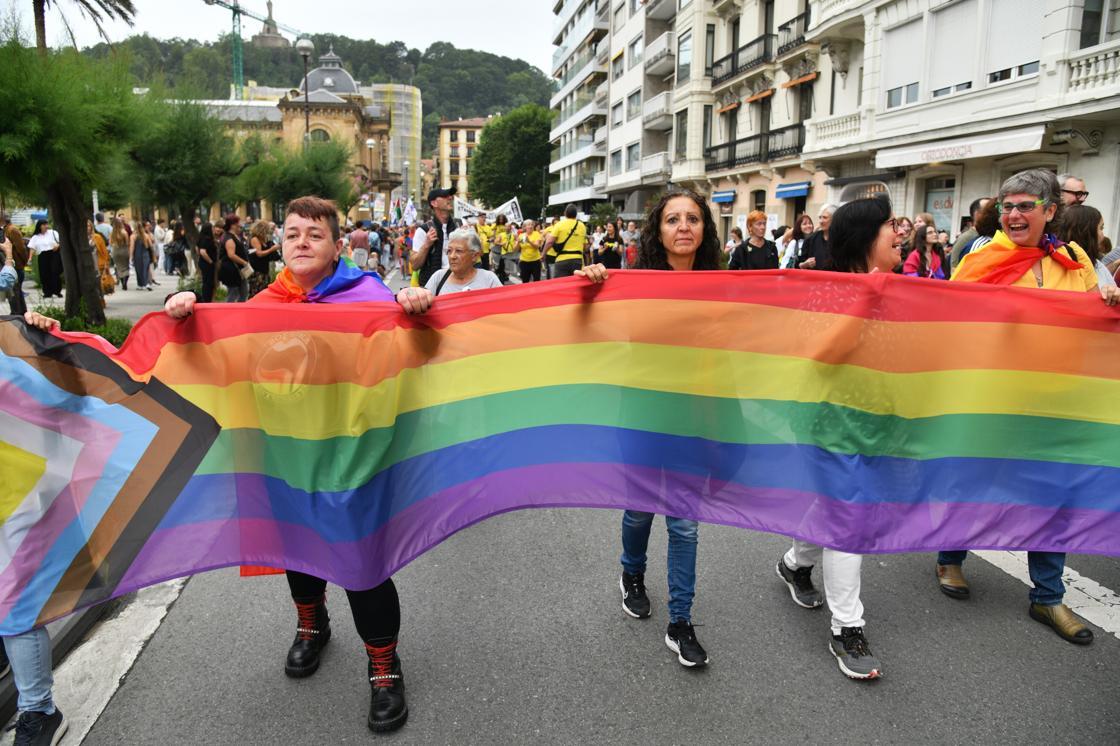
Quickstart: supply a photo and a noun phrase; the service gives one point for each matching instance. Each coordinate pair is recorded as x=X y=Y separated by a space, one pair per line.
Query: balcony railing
x=599 y=180
x=1098 y=68
x=659 y=54
x=824 y=11
x=601 y=135
x=572 y=108
x=732 y=154
x=761 y=148
x=602 y=93
x=576 y=66
x=661 y=10
x=785 y=142
x=657 y=109
x=791 y=34
x=750 y=55
x=570 y=183
x=572 y=146
x=603 y=50
x=657 y=164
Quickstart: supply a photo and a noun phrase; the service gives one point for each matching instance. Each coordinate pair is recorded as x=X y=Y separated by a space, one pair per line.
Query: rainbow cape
x=866 y=413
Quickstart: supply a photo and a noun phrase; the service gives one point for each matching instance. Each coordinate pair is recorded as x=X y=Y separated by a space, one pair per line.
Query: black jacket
x=816 y=246
x=434 y=261
x=746 y=256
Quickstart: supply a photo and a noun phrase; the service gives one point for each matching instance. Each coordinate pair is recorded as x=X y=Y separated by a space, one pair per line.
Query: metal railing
x=572 y=182
x=785 y=142
x=576 y=66
x=791 y=34
x=761 y=148
x=750 y=55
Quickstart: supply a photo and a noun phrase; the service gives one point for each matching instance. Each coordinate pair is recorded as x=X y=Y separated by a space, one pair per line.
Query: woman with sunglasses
x=1027 y=253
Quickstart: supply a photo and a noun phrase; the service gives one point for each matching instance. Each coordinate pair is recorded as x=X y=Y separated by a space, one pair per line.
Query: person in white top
x=802 y=229
x=44 y=244
x=160 y=235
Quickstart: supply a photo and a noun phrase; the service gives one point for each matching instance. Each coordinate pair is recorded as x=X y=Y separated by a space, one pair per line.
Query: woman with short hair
x=757 y=252
x=463 y=249
x=1027 y=253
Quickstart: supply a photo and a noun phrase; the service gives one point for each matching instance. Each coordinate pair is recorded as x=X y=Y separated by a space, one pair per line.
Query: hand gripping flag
x=865 y=413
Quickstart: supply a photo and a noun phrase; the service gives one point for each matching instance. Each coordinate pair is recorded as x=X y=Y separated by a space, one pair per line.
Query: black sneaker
x=40 y=729
x=635 y=602
x=5 y=664
x=681 y=639
x=800 y=585
x=854 y=655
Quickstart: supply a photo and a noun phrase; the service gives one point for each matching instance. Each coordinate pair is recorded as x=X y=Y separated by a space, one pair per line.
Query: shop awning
x=727 y=195
x=618 y=54
x=799 y=81
x=1022 y=140
x=793 y=189
x=728 y=108
x=760 y=95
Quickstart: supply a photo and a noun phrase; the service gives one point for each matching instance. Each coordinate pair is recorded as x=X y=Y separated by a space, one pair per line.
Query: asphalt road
x=513 y=633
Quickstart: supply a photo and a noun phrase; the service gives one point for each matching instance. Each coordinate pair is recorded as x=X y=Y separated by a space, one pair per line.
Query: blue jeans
x=1045 y=569
x=30 y=655
x=682 y=557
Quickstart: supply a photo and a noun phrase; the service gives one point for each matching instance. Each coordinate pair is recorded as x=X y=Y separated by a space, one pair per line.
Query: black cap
x=437 y=193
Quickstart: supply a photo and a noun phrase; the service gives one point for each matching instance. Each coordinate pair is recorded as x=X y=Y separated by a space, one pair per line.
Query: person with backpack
x=429 y=243
x=569 y=239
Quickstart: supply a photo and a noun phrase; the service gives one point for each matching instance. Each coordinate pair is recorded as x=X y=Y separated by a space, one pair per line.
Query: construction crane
x=236 y=42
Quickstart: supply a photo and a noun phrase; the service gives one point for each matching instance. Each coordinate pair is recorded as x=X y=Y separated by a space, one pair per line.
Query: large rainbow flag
x=866 y=413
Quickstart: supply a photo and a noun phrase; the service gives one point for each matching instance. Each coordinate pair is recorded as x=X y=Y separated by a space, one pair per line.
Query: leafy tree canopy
x=512 y=158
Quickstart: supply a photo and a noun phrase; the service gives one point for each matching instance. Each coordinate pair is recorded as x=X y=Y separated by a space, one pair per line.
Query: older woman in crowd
x=1026 y=253
x=463 y=249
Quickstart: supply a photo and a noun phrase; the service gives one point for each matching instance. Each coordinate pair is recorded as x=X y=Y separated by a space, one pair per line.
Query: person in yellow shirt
x=568 y=238
x=485 y=233
x=529 y=242
x=499 y=237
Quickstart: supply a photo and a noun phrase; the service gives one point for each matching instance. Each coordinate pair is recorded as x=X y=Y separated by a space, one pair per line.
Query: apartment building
x=935 y=102
x=457 y=141
x=786 y=105
x=579 y=102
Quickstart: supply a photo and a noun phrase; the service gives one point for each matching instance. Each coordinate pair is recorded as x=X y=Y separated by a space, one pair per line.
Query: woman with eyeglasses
x=1027 y=253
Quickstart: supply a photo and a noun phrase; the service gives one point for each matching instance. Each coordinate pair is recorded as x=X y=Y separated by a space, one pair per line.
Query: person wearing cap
x=429 y=243
x=568 y=238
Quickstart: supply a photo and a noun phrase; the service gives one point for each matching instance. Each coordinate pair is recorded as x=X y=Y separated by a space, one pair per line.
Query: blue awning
x=727 y=195
x=794 y=189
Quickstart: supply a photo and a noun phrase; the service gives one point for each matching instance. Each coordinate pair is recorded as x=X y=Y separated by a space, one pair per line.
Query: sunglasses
x=1022 y=207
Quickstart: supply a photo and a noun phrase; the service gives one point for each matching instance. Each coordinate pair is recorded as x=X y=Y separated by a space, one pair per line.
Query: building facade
x=786 y=105
x=457 y=141
x=579 y=65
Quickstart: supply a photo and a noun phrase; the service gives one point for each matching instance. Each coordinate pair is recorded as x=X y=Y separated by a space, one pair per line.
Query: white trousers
x=841 y=572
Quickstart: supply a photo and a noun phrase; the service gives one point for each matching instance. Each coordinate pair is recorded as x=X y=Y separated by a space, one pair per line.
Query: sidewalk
x=128 y=304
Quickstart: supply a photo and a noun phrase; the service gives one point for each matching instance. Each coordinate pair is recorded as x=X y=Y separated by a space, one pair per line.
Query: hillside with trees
x=454 y=82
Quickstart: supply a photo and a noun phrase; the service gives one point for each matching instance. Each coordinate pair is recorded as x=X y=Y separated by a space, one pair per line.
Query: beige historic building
x=457 y=141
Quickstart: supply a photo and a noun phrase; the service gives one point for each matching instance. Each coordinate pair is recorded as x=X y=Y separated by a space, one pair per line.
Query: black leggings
x=530 y=271
x=377 y=611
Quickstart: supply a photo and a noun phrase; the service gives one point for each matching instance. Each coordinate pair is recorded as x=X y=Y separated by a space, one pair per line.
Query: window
x=616 y=115
x=681 y=134
x=952 y=89
x=636 y=48
x=1098 y=22
x=956 y=26
x=455 y=152
x=758 y=200
x=635 y=5
x=709 y=48
x=634 y=105
x=470 y=135
x=618 y=67
x=707 y=133
x=320 y=136
x=633 y=156
x=454 y=135
x=832 y=95
x=616 y=162
x=902 y=62
x=454 y=169
x=619 y=17
x=683 y=3
x=1013 y=55
x=684 y=57
x=907 y=94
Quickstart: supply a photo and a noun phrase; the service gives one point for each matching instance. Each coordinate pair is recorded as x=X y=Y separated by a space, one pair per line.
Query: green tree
x=205 y=72
x=61 y=158
x=182 y=157
x=96 y=10
x=280 y=175
x=511 y=158
x=603 y=213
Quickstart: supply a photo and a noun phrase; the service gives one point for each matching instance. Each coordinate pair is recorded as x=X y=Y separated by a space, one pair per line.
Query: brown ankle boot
x=1063 y=621
x=313 y=632
x=951 y=580
x=387 y=707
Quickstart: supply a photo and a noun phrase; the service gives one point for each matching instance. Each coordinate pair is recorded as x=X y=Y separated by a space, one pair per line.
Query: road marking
x=1085 y=596
x=92 y=672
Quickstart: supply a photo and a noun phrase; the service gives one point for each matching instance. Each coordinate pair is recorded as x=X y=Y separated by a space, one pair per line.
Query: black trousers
x=377 y=611
x=566 y=268
x=15 y=300
x=530 y=271
x=50 y=272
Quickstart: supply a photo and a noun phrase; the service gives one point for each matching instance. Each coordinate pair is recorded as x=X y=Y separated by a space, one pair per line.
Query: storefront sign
x=1023 y=140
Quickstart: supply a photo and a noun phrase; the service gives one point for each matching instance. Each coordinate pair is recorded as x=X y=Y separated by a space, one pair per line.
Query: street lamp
x=370 y=142
x=306 y=49
x=405 y=185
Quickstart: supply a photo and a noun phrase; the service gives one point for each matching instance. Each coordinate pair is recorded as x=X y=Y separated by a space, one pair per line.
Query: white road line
x=92 y=672
x=1085 y=596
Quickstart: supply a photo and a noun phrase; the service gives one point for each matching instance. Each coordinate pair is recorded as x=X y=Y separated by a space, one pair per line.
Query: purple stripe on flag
x=890 y=527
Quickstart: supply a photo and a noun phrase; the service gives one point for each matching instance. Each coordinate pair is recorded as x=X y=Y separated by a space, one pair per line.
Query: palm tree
x=95 y=10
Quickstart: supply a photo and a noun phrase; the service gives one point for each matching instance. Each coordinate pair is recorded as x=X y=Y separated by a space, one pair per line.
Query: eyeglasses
x=893 y=223
x=1022 y=207
x=1078 y=195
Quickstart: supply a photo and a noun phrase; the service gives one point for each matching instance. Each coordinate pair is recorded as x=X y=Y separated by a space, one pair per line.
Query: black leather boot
x=313 y=632
x=387 y=708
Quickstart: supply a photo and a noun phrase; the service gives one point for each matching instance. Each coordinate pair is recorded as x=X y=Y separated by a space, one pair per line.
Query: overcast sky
x=513 y=28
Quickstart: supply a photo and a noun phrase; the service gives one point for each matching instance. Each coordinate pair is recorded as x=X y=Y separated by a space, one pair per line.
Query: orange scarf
x=1002 y=261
